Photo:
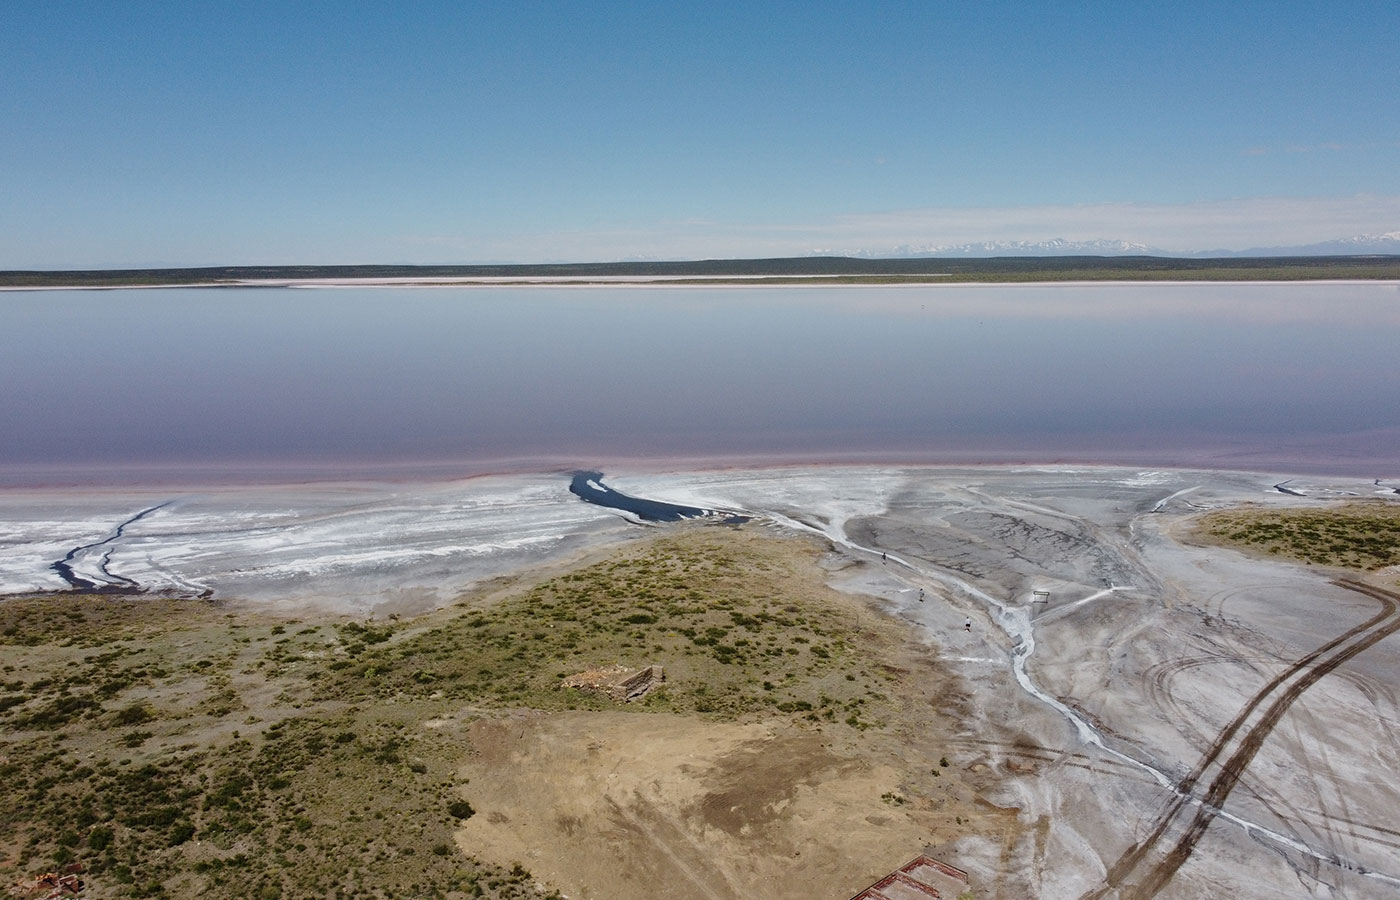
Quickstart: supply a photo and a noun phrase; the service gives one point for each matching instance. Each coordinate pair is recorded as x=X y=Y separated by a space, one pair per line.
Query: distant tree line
x=933 y=269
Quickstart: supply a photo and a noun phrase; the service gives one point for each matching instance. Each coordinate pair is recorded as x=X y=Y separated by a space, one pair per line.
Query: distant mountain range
x=1357 y=245
x=1361 y=244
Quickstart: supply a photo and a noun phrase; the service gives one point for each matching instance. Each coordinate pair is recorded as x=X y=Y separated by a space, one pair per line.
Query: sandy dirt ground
x=607 y=805
x=620 y=805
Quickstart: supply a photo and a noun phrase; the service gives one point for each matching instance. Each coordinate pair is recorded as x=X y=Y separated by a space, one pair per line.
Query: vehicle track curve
x=1284 y=689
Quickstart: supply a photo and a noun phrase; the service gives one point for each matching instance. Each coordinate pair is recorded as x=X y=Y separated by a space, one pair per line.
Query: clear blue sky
x=203 y=133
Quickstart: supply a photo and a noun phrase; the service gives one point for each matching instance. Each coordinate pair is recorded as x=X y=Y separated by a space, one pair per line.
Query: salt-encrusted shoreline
x=1146 y=649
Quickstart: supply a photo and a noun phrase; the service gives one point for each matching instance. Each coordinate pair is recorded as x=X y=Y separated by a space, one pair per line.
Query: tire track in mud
x=1215 y=604
x=1257 y=788
x=1188 y=784
x=1315 y=666
x=1182 y=793
x=1323 y=778
x=653 y=831
x=1009 y=754
x=1312 y=826
x=1326 y=824
x=1159 y=681
x=1374 y=691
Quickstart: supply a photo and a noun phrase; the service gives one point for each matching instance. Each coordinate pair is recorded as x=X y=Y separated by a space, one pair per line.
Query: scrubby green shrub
x=135 y=714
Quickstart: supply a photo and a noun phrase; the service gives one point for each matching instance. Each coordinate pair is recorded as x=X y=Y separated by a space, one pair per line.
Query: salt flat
x=1117 y=716
x=342 y=548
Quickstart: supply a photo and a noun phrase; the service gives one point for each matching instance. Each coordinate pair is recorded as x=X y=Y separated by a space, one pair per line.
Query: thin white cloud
x=1296 y=148
x=1235 y=224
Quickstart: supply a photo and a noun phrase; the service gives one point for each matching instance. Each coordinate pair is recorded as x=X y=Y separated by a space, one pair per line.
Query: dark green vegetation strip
x=173 y=749
x=1363 y=536
x=836 y=269
x=135 y=745
x=311 y=806
x=725 y=622
x=1377 y=272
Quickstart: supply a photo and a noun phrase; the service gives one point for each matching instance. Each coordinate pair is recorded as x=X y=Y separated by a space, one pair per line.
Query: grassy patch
x=290 y=810
x=175 y=748
x=738 y=631
x=1364 y=536
x=163 y=745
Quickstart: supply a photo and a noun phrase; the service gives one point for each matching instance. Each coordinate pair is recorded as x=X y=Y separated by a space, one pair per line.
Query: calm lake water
x=103 y=384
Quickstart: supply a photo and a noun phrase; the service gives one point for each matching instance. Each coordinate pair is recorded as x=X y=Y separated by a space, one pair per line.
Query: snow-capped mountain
x=1052 y=247
x=1361 y=244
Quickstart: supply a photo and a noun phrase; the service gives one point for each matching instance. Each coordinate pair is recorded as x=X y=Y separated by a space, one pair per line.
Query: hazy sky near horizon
x=142 y=134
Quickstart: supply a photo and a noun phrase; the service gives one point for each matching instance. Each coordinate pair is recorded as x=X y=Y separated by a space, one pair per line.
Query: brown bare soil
x=611 y=804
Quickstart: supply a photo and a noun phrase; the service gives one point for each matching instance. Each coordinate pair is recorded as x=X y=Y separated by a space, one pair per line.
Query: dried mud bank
x=1176 y=720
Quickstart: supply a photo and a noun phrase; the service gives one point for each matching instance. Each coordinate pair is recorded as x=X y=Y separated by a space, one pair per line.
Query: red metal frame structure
x=913 y=881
